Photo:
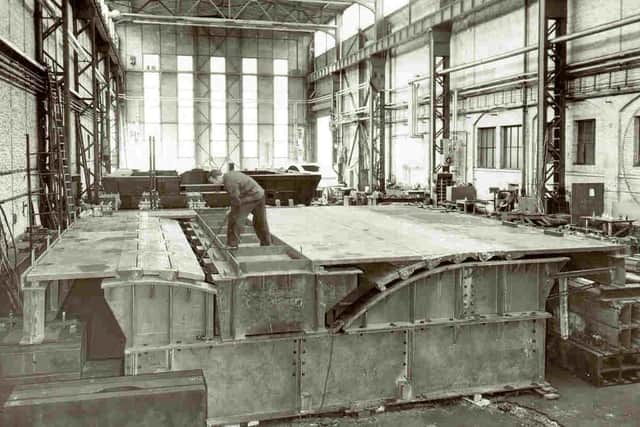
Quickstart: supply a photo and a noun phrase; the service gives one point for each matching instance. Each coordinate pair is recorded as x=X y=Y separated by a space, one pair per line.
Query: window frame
x=186 y=149
x=507 y=147
x=582 y=156
x=218 y=101
x=250 y=108
x=482 y=161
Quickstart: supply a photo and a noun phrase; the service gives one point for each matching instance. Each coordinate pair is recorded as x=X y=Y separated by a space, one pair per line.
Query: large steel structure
x=73 y=42
x=370 y=306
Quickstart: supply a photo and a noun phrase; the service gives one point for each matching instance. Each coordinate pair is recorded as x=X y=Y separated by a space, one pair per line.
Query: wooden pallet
x=599 y=366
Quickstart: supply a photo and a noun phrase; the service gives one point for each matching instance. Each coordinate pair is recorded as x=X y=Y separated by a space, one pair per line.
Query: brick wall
x=17 y=116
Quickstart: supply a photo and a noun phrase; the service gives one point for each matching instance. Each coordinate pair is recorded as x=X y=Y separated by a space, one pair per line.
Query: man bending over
x=246 y=197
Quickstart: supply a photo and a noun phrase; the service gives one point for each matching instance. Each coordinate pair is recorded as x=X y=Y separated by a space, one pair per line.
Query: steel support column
x=67 y=68
x=439 y=94
x=552 y=58
x=377 y=79
x=377 y=65
x=97 y=150
x=107 y=116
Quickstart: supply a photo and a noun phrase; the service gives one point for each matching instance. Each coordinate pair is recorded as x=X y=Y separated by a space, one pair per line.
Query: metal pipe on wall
x=599 y=28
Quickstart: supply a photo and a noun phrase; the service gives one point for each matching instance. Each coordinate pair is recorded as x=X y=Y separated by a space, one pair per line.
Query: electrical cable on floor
x=326 y=378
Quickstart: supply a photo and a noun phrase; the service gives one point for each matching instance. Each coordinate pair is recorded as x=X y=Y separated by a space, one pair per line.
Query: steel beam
x=194 y=21
x=414 y=30
x=439 y=94
x=552 y=22
x=97 y=150
x=366 y=4
x=67 y=64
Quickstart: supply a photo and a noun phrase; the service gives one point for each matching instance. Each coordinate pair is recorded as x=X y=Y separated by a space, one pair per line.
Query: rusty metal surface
x=339 y=235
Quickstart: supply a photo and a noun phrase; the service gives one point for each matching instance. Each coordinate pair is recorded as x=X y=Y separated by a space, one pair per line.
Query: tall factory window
x=511 y=147
x=355 y=18
x=186 y=141
x=636 y=141
x=138 y=155
x=218 y=140
x=586 y=142
x=280 y=111
x=323 y=42
x=249 y=107
x=486 y=148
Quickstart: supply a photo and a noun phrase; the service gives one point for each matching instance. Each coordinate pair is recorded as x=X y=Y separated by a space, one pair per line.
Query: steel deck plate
x=347 y=235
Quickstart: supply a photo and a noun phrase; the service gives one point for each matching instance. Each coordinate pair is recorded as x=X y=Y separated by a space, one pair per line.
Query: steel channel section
x=466 y=328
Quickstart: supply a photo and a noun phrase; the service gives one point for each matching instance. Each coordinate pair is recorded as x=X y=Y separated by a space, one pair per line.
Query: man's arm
x=233 y=188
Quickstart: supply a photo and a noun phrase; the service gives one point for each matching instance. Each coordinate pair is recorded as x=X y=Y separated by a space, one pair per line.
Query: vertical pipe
x=29 y=195
x=66 y=66
x=430 y=147
x=78 y=127
x=117 y=124
x=382 y=146
x=525 y=108
x=96 y=108
x=40 y=98
x=107 y=116
x=542 y=100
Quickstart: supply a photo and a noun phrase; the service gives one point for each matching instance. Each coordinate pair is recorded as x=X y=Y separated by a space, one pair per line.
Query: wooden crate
x=166 y=399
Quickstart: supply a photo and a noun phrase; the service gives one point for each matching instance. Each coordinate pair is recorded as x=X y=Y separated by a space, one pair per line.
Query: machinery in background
x=166 y=189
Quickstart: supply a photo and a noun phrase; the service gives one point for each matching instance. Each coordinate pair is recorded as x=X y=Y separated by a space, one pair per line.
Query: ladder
x=59 y=162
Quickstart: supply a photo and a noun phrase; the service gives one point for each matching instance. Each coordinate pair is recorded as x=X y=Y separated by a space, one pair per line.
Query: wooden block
x=165 y=399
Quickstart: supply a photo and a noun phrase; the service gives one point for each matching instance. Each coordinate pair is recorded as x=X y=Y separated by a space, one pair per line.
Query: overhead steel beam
x=195 y=21
x=366 y=4
x=417 y=29
x=568 y=37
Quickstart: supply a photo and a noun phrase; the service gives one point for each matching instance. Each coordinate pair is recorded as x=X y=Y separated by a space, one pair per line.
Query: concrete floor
x=580 y=405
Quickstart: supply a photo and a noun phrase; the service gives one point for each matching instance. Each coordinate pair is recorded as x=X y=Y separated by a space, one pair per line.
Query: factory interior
x=166 y=167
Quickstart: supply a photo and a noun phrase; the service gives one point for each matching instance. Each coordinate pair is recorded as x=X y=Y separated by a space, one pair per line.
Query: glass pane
x=185 y=131
x=281 y=133
x=218 y=148
x=319 y=43
x=249 y=66
x=250 y=132
x=219 y=132
x=151 y=81
x=367 y=18
x=218 y=64
x=151 y=62
x=250 y=87
x=331 y=41
x=250 y=115
x=281 y=67
x=185 y=63
x=280 y=116
x=250 y=148
x=350 y=21
x=281 y=149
